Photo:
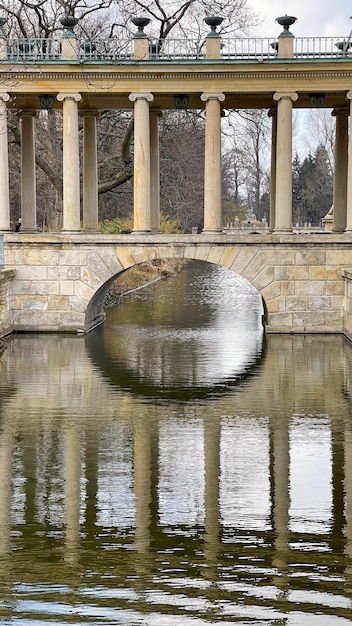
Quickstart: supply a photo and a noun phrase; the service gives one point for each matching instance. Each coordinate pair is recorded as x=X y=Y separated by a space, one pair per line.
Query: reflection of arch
x=248 y=263
x=126 y=378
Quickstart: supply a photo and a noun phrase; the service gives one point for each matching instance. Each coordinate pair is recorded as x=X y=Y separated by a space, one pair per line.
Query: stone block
x=139 y=254
x=264 y=278
x=124 y=257
x=44 y=287
x=202 y=252
x=296 y=303
x=271 y=291
x=58 y=303
x=334 y=318
x=335 y=287
x=316 y=303
x=279 y=321
x=66 y=287
x=306 y=287
x=229 y=256
x=244 y=257
x=309 y=319
x=190 y=252
x=108 y=256
x=338 y=257
x=324 y=273
x=64 y=272
x=287 y=287
x=215 y=254
x=255 y=266
x=31 y=272
x=90 y=278
x=83 y=291
x=20 y=287
x=280 y=256
x=311 y=257
x=97 y=266
x=291 y=273
x=72 y=257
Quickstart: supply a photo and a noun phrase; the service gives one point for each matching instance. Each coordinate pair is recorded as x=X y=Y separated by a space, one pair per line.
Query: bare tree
x=105 y=19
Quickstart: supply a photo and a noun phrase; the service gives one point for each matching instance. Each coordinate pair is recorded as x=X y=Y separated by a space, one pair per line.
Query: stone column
x=90 y=170
x=212 y=165
x=28 y=178
x=155 y=114
x=4 y=166
x=273 y=114
x=340 y=170
x=349 y=173
x=71 y=191
x=142 y=186
x=283 y=187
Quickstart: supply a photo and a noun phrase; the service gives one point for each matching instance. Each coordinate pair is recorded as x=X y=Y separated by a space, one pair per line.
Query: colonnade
x=147 y=161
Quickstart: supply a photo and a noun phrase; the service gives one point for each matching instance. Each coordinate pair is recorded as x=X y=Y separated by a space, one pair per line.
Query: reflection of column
x=90 y=170
x=283 y=193
x=273 y=115
x=212 y=476
x=348 y=510
x=337 y=490
x=6 y=441
x=280 y=464
x=154 y=171
x=4 y=166
x=141 y=161
x=92 y=461
x=340 y=170
x=72 y=475
x=142 y=483
x=71 y=192
x=29 y=472
x=28 y=180
x=212 y=164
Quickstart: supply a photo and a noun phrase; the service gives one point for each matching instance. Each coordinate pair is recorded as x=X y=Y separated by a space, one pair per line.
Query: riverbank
x=140 y=276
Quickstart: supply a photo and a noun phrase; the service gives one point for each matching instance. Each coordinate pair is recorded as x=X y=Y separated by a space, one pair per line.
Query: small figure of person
x=18 y=224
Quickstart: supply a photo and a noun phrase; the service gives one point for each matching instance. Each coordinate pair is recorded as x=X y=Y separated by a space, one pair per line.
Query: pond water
x=176 y=467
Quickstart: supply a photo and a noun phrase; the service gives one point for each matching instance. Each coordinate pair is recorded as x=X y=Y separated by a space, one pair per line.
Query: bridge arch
x=247 y=262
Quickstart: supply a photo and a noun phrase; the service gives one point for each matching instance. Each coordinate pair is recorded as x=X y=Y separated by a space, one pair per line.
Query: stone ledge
x=7 y=273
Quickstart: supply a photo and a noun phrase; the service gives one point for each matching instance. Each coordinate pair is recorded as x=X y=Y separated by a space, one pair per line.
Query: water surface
x=176 y=468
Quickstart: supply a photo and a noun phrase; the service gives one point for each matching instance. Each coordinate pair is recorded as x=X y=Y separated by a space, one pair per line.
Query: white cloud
x=316 y=18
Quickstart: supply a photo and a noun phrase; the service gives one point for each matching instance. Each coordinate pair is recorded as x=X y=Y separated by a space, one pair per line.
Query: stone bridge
x=58 y=282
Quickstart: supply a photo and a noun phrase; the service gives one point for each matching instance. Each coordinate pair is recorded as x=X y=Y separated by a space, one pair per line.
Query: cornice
x=182 y=75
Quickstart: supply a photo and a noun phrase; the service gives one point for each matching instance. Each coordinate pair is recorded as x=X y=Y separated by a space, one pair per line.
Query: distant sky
x=316 y=18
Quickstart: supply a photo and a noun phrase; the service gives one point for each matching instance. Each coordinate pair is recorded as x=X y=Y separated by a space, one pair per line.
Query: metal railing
x=322 y=47
x=117 y=50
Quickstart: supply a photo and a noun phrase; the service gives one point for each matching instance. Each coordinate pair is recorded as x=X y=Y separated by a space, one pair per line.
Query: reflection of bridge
x=66 y=501
x=60 y=279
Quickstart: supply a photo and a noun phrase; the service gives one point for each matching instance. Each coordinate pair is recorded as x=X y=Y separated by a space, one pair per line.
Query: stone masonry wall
x=6 y=277
x=61 y=280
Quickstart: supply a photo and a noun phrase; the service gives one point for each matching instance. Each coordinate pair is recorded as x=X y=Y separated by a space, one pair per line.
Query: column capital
x=349 y=95
x=141 y=96
x=4 y=96
x=212 y=96
x=88 y=113
x=285 y=95
x=69 y=96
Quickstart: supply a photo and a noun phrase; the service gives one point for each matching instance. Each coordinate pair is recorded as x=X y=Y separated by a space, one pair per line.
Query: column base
x=212 y=231
x=338 y=231
x=141 y=232
x=282 y=231
x=90 y=230
x=28 y=231
x=69 y=231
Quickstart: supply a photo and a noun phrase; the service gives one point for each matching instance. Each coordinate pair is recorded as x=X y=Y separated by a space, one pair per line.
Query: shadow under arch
x=154 y=345
x=95 y=314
